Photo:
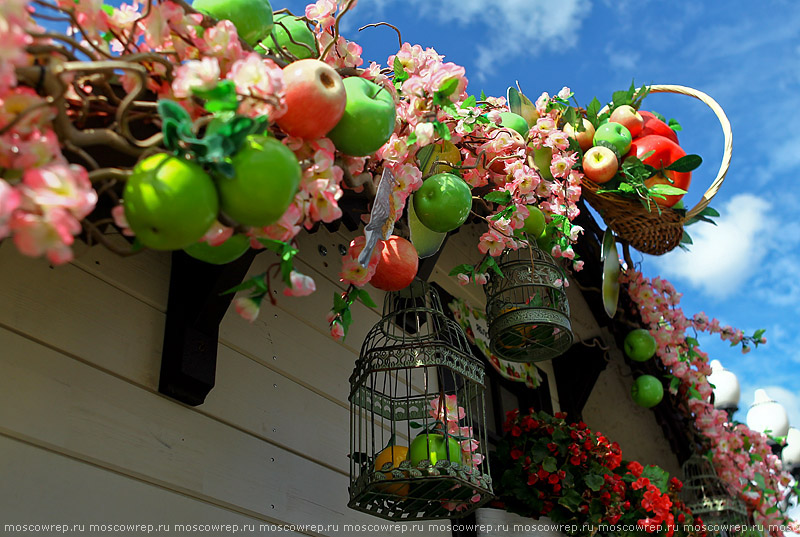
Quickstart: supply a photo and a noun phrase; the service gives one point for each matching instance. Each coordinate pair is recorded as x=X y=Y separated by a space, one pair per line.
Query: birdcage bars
x=709 y=498
x=527 y=308
x=417 y=415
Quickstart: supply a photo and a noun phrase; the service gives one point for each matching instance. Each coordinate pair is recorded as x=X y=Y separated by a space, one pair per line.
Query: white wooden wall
x=85 y=437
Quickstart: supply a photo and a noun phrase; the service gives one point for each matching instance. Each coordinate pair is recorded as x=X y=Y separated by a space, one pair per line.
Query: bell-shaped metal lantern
x=417 y=415
x=527 y=308
x=710 y=498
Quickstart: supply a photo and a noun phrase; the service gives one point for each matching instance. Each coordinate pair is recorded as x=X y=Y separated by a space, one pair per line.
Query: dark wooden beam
x=195 y=308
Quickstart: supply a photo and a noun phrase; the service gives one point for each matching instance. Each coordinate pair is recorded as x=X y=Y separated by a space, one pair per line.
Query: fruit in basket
x=397 y=266
x=368 y=119
x=266 y=180
x=614 y=136
x=584 y=137
x=394 y=455
x=628 y=117
x=315 y=99
x=443 y=152
x=443 y=202
x=295 y=30
x=516 y=122
x=653 y=125
x=640 y=345
x=647 y=391
x=230 y=250
x=665 y=152
x=252 y=18
x=169 y=202
x=433 y=447
x=600 y=164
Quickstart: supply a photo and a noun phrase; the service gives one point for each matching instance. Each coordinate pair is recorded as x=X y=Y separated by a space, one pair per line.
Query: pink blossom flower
x=217 y=234
x=337 y=330
x=156 y=26
x=60 y=185
x=285 y=229
x=322 y=12
x=302 y=285
x=463 y=279
x=195 y=75
x=408 y=177
x=262 y=79
x=247 y=307
x=446 y=409
x=425 y=133
x=352 y=271
x=49 y=234
x=222 y=42
x=118 y=214
x=492 y=242
x=481 y=278
x=9 y=201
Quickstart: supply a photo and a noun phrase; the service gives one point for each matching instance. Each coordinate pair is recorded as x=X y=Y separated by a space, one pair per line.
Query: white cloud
x=725 y=256
x=510 y=29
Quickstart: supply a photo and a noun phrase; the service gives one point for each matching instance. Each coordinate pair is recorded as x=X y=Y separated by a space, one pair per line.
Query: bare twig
x=393 y=27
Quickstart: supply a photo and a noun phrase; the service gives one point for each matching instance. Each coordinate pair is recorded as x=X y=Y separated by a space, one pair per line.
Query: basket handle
x=726 y=130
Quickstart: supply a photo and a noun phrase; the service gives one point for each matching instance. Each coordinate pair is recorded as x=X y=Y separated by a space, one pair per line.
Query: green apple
x=368 y=120
x=252 y=18
x=613 y=136
x=426 y=241
x=281 y=38
x=443 y=202
x=516 y=122
x=432 y=446
x=267 y=177
x=230 y=250
x=169 y=202
x=647 y=391
x=535 y=222
x=640 y=345
x=542 y=158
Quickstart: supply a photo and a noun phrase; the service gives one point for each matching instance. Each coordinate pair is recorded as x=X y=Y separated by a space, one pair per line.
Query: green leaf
x=400 y=73
x=550 y=464
x=220 y=98
x=501 y=197
x=256 y=281
x=109 y=10
x=674 y=125
x=490 y=263
x=469 y=102
x=339 y=303
x=442 y=130
x=272 y=244
x=657 y=476
x=514 y=101
x=685 y=164
x=709 y=211
x=758 y=333
x=686 y=238
x=658 y=116
x=366 y=299
x=594 y=481
x=592 y=110
x=667 y=190
x=571 y=500
x=462 y=269
x=448 y=88
x=424 y=156
x=674 y=383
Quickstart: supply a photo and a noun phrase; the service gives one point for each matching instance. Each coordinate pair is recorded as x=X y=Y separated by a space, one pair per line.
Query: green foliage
x=342 y=303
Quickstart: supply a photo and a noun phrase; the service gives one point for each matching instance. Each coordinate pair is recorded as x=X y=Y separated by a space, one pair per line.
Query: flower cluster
x=741 y=456
x=576 y=476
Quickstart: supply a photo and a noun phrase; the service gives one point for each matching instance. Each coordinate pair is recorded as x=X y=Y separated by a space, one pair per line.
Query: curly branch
x=393 y=27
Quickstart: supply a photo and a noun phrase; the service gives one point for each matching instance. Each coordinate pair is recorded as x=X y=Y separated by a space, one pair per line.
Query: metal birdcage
x=417 y=415
x=710 y=498
x=527 y=309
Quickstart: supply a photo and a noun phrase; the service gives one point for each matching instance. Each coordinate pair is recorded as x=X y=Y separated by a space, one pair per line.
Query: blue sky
x=745 y=55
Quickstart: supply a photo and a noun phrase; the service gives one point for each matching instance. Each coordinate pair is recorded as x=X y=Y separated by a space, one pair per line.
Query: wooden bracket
x=195 y=309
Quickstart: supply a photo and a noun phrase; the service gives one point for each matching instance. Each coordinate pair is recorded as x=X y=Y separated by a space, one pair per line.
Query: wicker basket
x=648 y=231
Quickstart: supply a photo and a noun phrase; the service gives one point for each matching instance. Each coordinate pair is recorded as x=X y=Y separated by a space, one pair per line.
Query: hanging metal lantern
x=527 y=309
x=710 y=498
x=417 y=415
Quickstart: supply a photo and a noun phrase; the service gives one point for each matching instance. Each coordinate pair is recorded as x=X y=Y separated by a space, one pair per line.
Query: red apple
x=600 y=164
x=653 y=125
x=627 y=116
x=585 y=137
x=664 y=152
x=315 y=99
x=398 y=264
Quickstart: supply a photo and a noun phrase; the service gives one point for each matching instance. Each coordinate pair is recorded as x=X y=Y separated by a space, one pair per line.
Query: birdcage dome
x=710 y=498
x=527 y=308
x=418 y=418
